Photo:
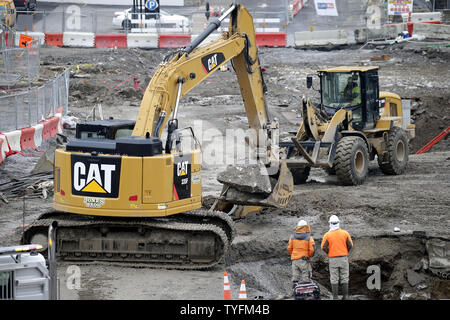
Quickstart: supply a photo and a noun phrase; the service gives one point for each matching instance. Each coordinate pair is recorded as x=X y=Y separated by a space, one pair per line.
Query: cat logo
x=212 y=61
x=182 y=176
x=95 y=176
x=182 y=168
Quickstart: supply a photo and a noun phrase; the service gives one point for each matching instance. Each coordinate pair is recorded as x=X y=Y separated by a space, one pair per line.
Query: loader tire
x=351 y=161
x=396 y=156
x=300 y=175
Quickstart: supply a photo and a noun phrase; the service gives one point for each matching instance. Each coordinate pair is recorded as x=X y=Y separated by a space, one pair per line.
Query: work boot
x=345 y=291
x=335 y=290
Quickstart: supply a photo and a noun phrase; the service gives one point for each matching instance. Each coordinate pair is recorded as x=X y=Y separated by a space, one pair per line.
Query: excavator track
x=193 y=240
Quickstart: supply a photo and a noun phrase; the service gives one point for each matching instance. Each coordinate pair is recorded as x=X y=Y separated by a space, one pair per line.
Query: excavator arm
x=190 y=66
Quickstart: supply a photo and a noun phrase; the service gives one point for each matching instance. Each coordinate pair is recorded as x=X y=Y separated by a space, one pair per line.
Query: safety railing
x=264 y=22
x=27 y=108
x=19 y=64
x=7 y=285
x=73 y=19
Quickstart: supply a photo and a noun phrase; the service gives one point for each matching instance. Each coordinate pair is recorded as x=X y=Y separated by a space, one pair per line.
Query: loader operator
x=301 y=248
x=337 y=243
x=352 y=92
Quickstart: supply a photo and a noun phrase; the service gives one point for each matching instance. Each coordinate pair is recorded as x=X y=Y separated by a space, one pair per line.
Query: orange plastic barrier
x=54 y=39
x=54 y=123
x=27 y=139
x=276 y=39
x=110 y=40
x=174 y=40
x=46 y=132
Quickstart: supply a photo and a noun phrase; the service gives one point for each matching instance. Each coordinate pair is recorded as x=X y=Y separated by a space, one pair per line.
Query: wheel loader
x=352 y=124
x=123 y=196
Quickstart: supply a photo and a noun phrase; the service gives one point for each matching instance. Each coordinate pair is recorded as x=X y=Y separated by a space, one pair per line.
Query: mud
x=417 y=202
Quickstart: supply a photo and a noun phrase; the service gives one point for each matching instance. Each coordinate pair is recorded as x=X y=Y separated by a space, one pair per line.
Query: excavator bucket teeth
x=256 y=189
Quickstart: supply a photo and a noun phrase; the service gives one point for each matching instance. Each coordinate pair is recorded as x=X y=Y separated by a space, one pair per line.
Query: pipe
x=180 y=86
x=210 y=29
x=52 y=261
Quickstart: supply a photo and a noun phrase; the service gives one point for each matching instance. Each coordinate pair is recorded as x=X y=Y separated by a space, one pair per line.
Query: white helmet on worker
x=302 y=223
x=333 y=219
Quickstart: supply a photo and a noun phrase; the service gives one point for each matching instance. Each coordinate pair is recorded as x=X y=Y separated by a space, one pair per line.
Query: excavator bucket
x=252 y=186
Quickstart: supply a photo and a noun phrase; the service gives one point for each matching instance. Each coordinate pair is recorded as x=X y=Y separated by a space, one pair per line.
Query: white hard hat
x=333 y=219
x=301 y=223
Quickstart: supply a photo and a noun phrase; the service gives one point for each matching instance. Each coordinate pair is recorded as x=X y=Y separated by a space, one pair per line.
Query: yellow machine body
x=8 y=12
x=349 y=128
x=147 y=188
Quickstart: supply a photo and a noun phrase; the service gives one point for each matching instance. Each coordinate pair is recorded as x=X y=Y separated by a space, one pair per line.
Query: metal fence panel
x=27 y=108
x=7 y=285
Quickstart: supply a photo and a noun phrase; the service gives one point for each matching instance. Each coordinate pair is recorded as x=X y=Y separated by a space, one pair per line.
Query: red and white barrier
x=38 y=134
x=276 y=39
x=13 y=140
x=110 y=40
x=3 y=148
x=142 y=40
x=29 y=138
x=79 y=39
x=58 y=115
x=174 y=40
x=54 y=39
x=147 y=40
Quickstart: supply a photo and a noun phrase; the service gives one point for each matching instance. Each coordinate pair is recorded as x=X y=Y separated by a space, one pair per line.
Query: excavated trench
x=405 y=264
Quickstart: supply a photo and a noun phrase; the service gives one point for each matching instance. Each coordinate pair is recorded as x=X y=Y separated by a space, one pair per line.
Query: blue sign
x=151 y=5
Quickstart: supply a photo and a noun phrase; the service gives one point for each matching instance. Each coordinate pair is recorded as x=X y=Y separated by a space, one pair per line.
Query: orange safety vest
x=338 y=243
x=301 y=244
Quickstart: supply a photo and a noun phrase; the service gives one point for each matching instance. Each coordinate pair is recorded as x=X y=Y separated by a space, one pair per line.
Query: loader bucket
x=248 y=187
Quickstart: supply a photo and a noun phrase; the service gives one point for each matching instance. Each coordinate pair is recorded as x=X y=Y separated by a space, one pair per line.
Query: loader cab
x=354 y=89
x=7 y=13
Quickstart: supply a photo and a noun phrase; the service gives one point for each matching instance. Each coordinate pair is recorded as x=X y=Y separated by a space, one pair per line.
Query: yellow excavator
x=123 y=196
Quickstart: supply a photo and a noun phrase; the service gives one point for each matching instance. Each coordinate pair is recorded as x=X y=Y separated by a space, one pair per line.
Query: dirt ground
x=415 y=202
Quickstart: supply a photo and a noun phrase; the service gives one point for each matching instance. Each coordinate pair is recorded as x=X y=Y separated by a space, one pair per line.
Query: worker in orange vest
x=337 y=243
x=301 y=248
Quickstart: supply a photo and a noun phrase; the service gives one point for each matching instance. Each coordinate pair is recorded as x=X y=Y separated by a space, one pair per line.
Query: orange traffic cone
x=226 y=287
x=243 y=291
